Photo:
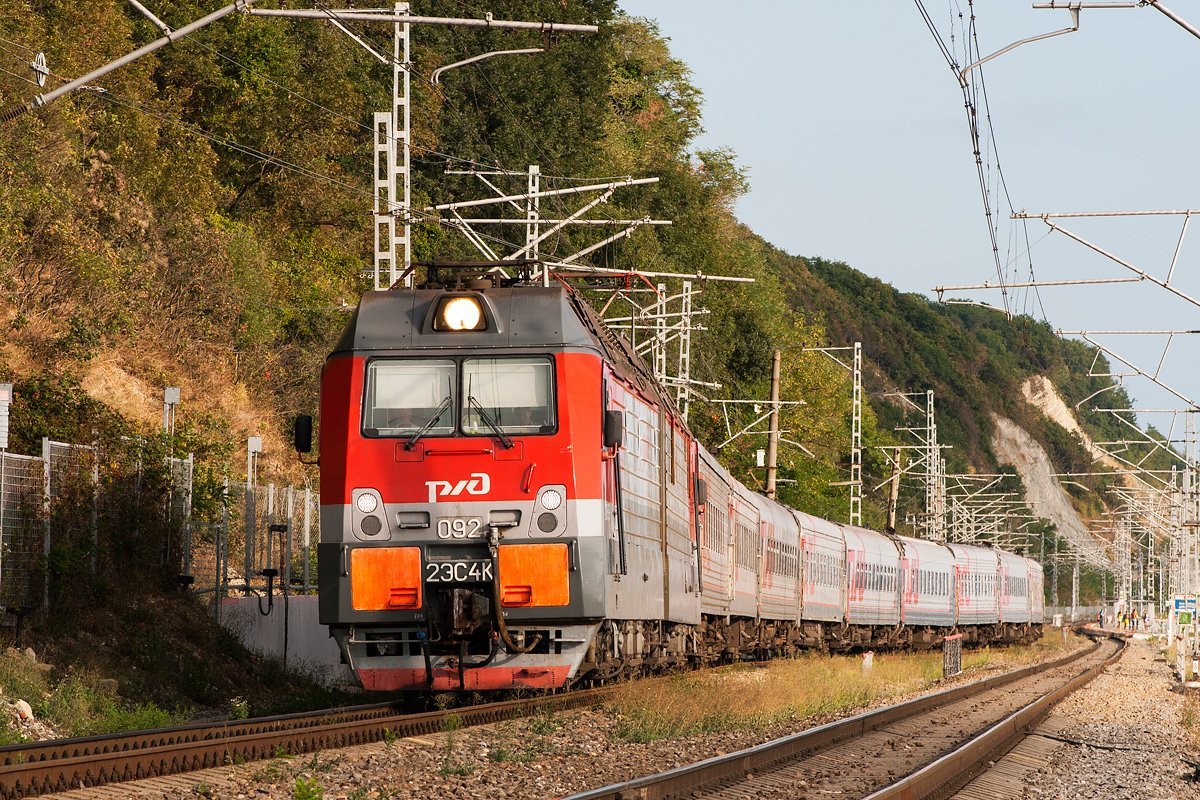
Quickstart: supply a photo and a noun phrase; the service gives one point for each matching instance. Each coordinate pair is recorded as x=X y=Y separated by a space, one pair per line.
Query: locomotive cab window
x=407 y=396
x=515 y=395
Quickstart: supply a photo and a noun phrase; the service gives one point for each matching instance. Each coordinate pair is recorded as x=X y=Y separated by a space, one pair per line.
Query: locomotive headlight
x=551 y=500
x=459 y=314
x=367 y=503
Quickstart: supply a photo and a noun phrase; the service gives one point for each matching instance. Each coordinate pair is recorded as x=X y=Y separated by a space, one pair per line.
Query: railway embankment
x=1131 y=733
x=157 y=660
x=647 y=726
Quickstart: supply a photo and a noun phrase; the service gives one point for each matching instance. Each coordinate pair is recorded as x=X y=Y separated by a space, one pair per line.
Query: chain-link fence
x=21 y=501
x=262 y=537
x=81 y=513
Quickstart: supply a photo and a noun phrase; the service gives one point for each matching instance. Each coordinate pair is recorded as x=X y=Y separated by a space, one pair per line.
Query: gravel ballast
x=544 y=756
x=1131 y=734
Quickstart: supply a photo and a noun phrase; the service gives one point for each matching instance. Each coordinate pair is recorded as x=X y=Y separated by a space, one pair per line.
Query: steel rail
x=960 y=766
x=64 y=764
x=693 y=778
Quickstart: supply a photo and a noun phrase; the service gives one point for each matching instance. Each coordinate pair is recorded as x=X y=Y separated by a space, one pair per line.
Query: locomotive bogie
x=391 y=659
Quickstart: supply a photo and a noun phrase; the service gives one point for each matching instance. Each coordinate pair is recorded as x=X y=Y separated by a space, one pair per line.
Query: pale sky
x=853 y=129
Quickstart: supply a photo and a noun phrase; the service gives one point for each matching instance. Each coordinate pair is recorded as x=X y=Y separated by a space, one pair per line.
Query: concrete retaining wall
x=309 y=648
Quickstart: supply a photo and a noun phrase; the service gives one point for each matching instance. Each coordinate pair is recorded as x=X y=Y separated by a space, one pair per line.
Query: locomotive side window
x=405 y=396
x=517 y=394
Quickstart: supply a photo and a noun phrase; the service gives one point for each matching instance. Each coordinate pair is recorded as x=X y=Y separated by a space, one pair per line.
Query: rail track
x=44 y=767
x=921 y=748
x=62 y=764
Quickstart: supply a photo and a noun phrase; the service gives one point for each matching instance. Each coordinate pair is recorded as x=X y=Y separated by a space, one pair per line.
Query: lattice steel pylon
x=856 y=440
x=658 y=347
x=855 y=368
x=1123 y=546
x=533 y=207
x=932 y=457
x=393 y=156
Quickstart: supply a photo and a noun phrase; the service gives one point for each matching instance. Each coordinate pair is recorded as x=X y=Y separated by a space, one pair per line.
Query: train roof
x=519 y=316
x=926 y=547
x=871 y=541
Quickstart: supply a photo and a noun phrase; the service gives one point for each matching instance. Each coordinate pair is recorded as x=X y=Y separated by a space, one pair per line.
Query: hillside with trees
x=204 y=221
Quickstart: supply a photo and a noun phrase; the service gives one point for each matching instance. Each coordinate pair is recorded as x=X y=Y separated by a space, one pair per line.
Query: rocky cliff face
x=1012 y=444
x=1039 y=392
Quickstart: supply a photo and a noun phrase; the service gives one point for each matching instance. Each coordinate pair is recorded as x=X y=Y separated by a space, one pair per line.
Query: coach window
x=515 y=394
x=405 y=396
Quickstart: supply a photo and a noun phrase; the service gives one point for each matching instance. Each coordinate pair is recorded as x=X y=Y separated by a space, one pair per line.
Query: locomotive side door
x=613 y=527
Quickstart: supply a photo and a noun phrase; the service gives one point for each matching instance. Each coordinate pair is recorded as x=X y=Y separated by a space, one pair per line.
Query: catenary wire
x=284 y=164
x=1004 y=183
x=554 y=201
x=968 y=91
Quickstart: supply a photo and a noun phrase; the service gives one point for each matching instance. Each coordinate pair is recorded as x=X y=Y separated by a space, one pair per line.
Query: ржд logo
x=478 y=483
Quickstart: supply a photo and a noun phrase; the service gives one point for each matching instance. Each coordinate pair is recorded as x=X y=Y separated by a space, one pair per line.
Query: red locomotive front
x=461 y=494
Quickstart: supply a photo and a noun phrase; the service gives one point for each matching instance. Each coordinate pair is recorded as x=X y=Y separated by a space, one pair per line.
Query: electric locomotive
x=463 y=445
x=509 y=499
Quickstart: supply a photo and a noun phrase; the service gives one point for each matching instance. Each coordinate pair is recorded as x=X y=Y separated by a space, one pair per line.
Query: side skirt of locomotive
x=564 y=655
x=404 y=659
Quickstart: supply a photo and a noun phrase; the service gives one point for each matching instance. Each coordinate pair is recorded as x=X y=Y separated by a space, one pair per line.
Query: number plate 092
x=460 y=528
x=474 y=571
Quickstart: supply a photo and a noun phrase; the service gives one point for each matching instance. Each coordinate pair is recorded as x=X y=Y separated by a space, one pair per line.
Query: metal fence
x=22 y=481
x=80 y=510
x=1072 y=614
x=255 y=530
x=88 y=510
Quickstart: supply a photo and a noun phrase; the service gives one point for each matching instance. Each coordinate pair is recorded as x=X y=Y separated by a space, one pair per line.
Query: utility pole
x=894 y=496
x=401 y=163
x=533 y=208
x=683 y=394
x=659 y=348
x=934 y=485
x=773 y=430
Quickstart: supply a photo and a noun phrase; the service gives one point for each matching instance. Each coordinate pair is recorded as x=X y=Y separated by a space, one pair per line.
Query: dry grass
x=788 y=690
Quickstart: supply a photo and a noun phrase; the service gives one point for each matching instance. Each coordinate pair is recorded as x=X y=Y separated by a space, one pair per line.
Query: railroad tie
x=1006 y=780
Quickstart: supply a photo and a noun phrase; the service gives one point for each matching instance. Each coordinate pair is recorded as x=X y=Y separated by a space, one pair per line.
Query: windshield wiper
x=491 y=423
x=424 y=429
